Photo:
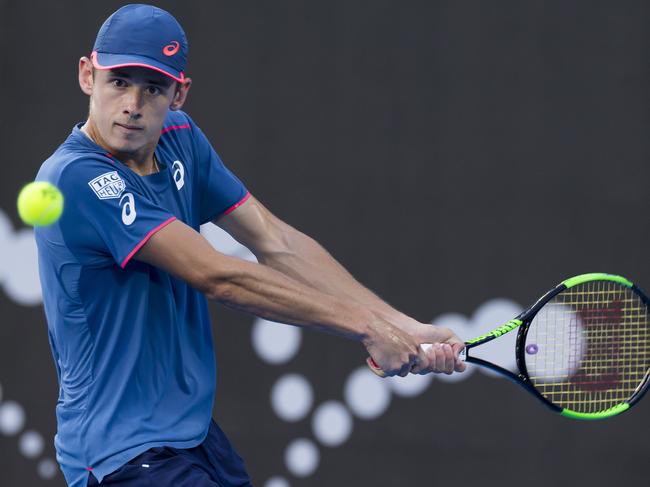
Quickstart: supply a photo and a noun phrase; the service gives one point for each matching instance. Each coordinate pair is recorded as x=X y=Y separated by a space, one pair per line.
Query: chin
x=122 y=148
x=130 y=143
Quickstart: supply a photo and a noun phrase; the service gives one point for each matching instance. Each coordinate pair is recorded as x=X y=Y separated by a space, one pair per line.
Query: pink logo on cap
x=171 y=48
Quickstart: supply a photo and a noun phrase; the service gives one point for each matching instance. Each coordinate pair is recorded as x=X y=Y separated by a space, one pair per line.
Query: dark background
x=447 y=152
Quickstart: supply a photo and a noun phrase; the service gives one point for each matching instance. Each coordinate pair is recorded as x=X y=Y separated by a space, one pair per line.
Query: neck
x=142 y=162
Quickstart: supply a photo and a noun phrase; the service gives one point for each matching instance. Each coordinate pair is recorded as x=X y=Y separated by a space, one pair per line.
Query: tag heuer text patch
x=108 y=185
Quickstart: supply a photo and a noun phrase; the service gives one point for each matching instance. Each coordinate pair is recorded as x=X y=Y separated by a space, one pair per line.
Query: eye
x=153 y=90
x=118 y=83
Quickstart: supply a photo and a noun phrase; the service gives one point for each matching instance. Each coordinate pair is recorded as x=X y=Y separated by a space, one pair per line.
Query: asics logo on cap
x=171 y=48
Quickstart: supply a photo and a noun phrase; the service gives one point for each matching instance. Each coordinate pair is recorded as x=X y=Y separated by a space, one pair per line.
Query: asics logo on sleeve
x=179 y=174
x=128 y=210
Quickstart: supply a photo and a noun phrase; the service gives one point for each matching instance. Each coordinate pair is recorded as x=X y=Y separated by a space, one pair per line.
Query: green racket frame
x=522 y=324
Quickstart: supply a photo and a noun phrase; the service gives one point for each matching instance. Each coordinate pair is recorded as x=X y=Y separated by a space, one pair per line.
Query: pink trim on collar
x=174 y=127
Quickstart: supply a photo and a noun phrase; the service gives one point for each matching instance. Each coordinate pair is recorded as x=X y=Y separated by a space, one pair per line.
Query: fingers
x=417 y=362
x=404 y=371
x=439 y=358
x=422 y=362
x=443 y=359
x=393 y=351
x=429 y=349
x=459 y=365
x=401 y=366
x=447 y=360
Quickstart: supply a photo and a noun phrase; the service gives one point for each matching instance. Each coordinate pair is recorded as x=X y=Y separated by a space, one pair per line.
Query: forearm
x=254 y=288
x=266 y=292
x=309 y=263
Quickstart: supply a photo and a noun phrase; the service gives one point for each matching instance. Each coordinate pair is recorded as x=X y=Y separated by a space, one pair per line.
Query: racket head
x=584 y=347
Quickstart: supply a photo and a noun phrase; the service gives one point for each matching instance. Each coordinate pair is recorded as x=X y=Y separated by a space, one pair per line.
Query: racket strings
x=588 y=349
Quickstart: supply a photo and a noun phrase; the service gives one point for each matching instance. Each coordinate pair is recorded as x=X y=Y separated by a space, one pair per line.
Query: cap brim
x=103 y=60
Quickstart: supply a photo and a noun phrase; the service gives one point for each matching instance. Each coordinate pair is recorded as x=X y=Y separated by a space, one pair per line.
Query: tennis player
x=125 y=274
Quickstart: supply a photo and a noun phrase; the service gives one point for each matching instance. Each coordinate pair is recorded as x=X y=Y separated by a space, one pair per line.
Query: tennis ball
x=40 y=203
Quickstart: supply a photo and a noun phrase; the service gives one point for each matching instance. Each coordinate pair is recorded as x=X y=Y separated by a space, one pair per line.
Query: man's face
x=128 y=107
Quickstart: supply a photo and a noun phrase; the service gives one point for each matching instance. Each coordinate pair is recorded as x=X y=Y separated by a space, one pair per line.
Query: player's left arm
x=287 y=250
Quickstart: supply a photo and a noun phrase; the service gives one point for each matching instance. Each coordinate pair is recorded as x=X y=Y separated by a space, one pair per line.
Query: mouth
x=133 y=128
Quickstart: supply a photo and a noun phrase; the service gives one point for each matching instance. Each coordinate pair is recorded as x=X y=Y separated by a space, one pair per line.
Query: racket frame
x=522 y=323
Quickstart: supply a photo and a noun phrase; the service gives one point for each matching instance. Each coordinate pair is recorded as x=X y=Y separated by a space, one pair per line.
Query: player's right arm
x=265 y=292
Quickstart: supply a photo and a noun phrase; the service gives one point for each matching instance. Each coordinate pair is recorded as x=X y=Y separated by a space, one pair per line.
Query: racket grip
x=372 y=365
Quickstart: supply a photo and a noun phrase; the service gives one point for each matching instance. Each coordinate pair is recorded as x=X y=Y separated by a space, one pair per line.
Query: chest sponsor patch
x=107 y=186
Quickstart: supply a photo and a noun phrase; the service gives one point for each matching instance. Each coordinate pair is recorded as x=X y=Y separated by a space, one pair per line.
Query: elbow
x=221 y=290
x=216 y=280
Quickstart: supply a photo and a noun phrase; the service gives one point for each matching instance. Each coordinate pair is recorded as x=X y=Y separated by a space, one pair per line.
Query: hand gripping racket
x=583 y=349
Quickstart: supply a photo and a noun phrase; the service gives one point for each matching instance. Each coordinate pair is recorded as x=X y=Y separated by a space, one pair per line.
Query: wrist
x=378 y=328
x=401 y=321
x=345 y=318
x=368 y=328
x=362 y=322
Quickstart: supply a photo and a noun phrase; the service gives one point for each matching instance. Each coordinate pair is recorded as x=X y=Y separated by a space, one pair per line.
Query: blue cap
x=142 y=35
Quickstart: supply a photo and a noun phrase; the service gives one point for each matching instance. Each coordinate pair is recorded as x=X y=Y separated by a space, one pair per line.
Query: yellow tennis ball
x=40 y=203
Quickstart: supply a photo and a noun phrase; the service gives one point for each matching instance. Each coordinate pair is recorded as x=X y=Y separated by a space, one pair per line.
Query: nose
x=133 y=102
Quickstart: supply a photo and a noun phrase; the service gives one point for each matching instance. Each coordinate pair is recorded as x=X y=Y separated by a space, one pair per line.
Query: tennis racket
x=583 y=349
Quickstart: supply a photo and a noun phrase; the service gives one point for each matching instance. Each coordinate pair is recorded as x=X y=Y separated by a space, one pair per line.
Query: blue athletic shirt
x=132 y=345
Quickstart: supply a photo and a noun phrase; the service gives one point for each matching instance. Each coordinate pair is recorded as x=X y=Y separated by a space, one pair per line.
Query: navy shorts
x=214 y=463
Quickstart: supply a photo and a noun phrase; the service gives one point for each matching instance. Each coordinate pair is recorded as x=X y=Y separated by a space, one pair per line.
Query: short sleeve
x=220 y=191
x=107 y=211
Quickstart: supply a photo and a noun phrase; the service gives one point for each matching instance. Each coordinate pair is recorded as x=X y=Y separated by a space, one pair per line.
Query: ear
x=181 y=94
x=86 y=81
